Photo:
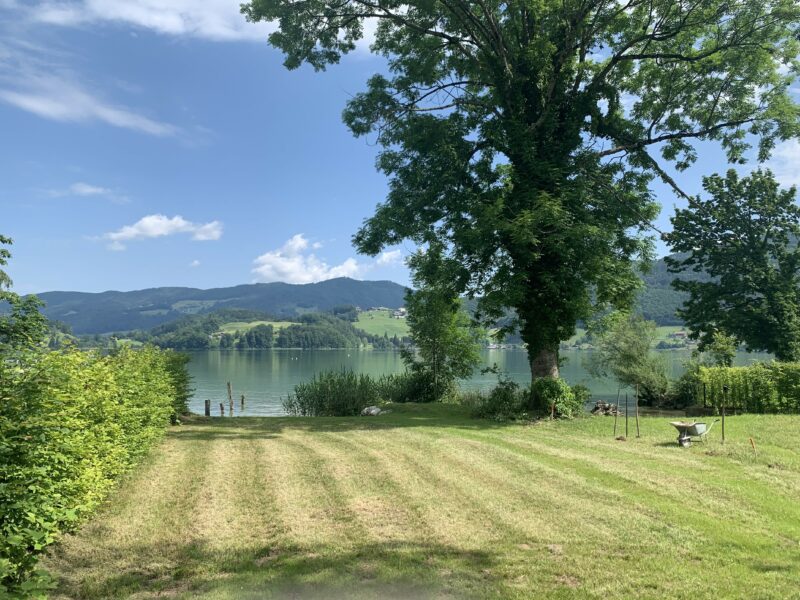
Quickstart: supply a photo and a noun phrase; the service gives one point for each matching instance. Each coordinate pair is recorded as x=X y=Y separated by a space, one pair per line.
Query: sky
x=149 y=143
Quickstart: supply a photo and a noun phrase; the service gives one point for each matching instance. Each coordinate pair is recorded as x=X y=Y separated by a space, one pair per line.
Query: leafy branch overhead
x=525 y=134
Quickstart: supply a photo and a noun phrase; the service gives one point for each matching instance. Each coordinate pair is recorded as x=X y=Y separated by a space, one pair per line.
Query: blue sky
x=161 y=142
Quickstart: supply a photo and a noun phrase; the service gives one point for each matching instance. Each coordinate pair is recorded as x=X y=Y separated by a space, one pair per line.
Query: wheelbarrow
x=689 y=430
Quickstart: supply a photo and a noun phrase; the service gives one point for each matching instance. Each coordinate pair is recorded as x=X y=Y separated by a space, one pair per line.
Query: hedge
x=71 y=423
x=758 y=388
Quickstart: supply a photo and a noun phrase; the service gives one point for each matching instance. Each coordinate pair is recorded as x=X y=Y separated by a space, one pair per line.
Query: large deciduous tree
x=525 y=134
x=745 y=237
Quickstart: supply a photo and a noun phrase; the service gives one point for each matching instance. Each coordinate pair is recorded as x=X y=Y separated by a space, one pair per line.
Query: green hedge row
x=71 y=423
x=758 y=388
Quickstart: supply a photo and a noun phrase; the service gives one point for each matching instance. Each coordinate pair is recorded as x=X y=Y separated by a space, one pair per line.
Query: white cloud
x=87 y=190
x=293 y=263
x=391 y=257
x=785 y=163
x=210 y=19
x=194 y=263
x=153 y=226
x=58 y=98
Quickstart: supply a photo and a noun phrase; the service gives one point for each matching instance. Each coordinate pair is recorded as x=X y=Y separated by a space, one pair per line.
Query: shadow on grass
x=381 y=570
x=265 y=427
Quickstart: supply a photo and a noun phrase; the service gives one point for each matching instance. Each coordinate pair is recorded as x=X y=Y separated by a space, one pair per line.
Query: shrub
x=415 y=385
x=333 y=394
x=548 y=392
x=70 y=423
x=505 y=401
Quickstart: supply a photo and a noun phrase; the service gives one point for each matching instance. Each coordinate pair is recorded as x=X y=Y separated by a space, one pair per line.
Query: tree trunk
x=545 y=363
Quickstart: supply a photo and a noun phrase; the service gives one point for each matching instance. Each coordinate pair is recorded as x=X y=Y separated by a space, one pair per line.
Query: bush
x=71 y=423
x=549 y=392
x=758 y=388
x=333 y=394
x=505 y=401
x=416 y=385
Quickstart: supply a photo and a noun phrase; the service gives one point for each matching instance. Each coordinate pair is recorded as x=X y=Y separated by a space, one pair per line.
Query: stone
x=371 y=411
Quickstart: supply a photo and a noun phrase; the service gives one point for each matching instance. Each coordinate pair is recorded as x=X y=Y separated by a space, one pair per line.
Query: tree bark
x=544 y=363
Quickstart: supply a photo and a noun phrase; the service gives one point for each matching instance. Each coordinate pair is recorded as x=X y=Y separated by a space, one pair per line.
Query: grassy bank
x=425 y=502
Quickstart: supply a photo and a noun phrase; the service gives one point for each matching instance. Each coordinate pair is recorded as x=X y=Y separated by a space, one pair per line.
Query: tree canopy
x=744 y=236
x=525 y=135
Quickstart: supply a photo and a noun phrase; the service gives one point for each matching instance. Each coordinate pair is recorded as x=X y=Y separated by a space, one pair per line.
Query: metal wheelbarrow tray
x=688 y=430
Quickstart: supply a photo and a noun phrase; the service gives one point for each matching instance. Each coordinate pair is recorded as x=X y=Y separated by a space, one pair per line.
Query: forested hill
x=143 y=309
x=659 y=301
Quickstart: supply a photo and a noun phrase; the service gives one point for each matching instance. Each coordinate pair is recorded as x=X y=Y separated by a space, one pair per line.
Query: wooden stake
x=724 y=402
x=626 y=416
x=230 y=398
x=208 y=408
x=221 y=409
x=242 y=401
x=753 y=444
x=637 y=411
x=616 y=413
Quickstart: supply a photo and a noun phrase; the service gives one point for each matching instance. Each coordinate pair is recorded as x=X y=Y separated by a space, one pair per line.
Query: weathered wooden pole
x=637 y=411
x=208 y=408
x=724 y=402
x=616 y=413
x=242 y=401
x=221 y=409
x=230 y=398
x=626 y=416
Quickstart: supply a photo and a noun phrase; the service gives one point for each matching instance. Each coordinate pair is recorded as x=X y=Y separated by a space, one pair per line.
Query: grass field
x=427 y=503
x=243 y=326
x=378 y=322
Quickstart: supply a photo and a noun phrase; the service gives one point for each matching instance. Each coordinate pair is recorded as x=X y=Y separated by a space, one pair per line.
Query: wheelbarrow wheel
x=684 y=442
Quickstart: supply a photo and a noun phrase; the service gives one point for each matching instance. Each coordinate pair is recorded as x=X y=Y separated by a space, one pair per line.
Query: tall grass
x=333 y=394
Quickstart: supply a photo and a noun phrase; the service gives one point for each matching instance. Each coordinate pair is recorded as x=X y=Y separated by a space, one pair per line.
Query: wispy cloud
x=154 y=226
x=82 y=189
x=294 y=262
x=218 y=20
x=38 y=78
x=195 y=263
x=57 y=98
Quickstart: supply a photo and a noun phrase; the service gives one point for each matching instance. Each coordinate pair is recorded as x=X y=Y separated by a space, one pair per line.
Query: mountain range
x=105 y=312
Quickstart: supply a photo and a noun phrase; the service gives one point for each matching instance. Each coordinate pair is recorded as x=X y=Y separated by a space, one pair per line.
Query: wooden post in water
x=616 y=413
x=637 y=411
x=230 y=398
x=221 y=409
x=242 y=401
x=626 y=416
x=208 y=408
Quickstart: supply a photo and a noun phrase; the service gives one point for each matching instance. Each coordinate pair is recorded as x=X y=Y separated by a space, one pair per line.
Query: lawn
x=244 y=326
x=427 y=503
x=378 y=322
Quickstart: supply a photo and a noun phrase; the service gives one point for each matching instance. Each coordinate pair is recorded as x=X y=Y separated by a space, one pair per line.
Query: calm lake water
x=267 y=376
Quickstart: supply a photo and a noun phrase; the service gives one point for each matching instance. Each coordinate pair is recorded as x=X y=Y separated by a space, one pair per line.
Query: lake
x=267 y=376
